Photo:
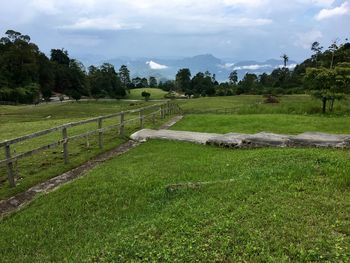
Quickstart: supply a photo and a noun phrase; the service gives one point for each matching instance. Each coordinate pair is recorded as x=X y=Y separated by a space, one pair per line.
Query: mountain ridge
x=163 y=68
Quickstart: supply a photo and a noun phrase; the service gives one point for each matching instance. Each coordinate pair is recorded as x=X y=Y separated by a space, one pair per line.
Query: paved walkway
x=238 y=140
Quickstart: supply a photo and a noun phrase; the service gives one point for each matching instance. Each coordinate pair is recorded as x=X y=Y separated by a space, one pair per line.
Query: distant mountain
x=167 y=68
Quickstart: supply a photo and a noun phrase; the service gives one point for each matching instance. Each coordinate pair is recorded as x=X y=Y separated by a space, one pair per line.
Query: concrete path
x=238 y=140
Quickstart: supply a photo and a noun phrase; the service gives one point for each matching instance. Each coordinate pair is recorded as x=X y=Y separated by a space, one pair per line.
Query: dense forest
x=27 y=75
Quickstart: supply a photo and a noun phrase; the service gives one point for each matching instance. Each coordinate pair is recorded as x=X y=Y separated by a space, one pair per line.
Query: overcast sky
x=237 y=29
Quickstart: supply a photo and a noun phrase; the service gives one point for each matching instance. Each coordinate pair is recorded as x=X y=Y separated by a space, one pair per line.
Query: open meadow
x=156 y=94
x=251 y=205
x=18 y=121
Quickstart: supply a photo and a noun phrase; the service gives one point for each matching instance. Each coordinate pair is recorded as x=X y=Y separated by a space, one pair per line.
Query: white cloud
x=252 y=67
x=101 y=23
x=305 y=39
x=154 y=65
x=226 y=65
x=290 y=66
x=341 y=10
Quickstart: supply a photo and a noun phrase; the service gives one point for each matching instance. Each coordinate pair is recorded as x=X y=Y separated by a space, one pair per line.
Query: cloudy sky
x=238 y=29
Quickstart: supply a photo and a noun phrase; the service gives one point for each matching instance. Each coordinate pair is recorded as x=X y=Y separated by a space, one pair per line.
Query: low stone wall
x=238 y=140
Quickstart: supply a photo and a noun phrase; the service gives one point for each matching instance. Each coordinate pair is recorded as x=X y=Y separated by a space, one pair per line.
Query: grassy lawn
x=251 y=104
x=156 y=94
x=20 y=120
x=282 y=205
x=253 y=123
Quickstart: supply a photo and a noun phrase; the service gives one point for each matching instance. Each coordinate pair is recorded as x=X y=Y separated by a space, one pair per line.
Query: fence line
x=160 y=110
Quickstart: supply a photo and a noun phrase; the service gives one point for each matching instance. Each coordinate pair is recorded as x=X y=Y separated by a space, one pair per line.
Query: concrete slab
x=238 y=140
x=195 y=137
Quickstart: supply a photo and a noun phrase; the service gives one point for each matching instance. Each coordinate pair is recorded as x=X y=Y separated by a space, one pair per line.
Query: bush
x=146 y=95
x=271 y=99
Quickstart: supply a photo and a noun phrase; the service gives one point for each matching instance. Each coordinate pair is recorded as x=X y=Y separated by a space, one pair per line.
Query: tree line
x=27 y=75
x=325 y=75
x=282 y=80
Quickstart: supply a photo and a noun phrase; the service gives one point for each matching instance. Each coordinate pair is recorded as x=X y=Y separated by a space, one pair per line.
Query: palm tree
x=285 y=59
x=333 y=48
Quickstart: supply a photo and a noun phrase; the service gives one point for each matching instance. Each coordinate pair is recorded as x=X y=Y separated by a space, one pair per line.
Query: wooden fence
x=157 y=111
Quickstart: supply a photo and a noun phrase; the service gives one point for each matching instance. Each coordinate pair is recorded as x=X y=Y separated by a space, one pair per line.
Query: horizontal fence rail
x=157 y=111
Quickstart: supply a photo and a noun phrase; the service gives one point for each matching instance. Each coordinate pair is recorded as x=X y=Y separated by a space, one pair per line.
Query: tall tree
x=61 y=61
x=248 y=83
x=317 y=49
x=202 y=83
x=124 y=75
x=285 y=59
x=77 y=80
x=325 y=85
x=183 y=79
x=233 y=77
x=144 y=83
x=153 y=82
x=333 y=48
x=60 y=56
x=19 y=68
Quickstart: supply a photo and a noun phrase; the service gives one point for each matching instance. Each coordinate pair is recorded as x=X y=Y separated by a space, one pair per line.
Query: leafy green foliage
x=23 y=66
x=183 y=80
x=124 y=74
x=146 y=95
x=105 y=82
x=328 y=85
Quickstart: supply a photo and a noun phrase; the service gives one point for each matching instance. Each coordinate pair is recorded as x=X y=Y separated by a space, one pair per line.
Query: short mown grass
x=22 y=120
x=254 y=123
x=282 y=205
x=254 y=104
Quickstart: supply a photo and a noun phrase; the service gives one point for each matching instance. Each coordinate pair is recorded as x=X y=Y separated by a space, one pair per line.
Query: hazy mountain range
x=167 y=68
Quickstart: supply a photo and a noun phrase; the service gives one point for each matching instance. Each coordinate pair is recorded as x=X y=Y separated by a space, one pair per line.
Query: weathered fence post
x=65 y=145
x=161 y=112
x=168 y=108
x=87 y=142
x=154 y=118
x=141 y=119
x=10 y=172
x=121 y=127
x=100 y=133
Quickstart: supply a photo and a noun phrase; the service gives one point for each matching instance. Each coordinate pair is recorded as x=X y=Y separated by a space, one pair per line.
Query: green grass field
x=156 y=94
x=21 y=120
x=254 y=104
x=254 y=123
x=283 y=205
x=279 y=205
